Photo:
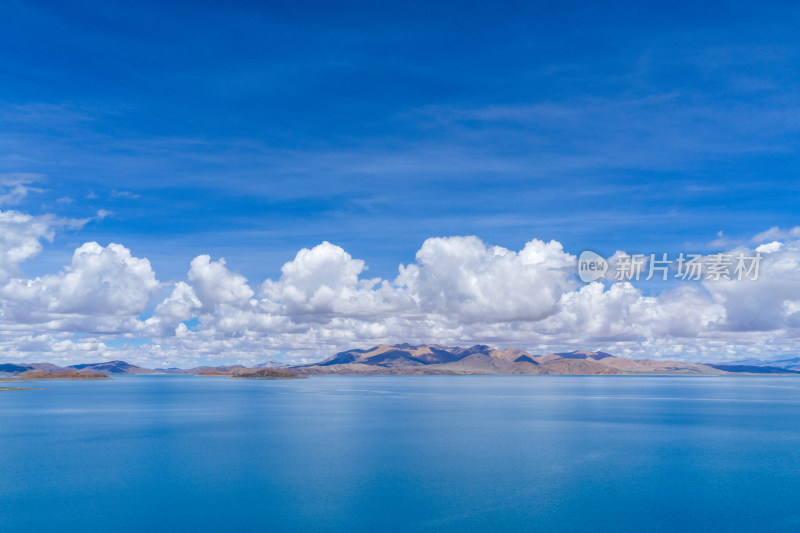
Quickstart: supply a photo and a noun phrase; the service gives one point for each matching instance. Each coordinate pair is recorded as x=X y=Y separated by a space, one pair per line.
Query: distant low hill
x=792 y=363
x=755 y=369
x=10 y=368
x=111 y=367
x=201 y=370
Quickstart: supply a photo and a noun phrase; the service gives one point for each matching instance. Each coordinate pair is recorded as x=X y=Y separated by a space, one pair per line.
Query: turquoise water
x=413 y=453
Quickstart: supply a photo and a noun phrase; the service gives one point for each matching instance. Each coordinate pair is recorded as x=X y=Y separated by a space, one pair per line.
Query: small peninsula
x=268 y=373
x=46 y=374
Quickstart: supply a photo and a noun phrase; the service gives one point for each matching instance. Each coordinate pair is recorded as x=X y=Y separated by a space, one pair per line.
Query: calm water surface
x=415 y=453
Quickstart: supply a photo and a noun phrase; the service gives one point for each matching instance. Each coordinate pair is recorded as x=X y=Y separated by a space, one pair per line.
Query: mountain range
x=439 y=359
x=482 y=359
x=787 y=364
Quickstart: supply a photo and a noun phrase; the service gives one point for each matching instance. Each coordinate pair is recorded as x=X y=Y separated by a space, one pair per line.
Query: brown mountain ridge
x=482 y=359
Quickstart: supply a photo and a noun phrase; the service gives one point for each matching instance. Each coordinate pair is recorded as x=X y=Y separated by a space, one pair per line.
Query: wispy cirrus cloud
x=775 y=232
x=15 y=187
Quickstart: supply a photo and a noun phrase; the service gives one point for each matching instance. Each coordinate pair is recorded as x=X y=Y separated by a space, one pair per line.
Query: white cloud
x=103 y=289
x=124 y=194
x=324 y=280
x=775 y=233
x=459 y=290
x=770 y=247
x=622 y=312
x=16 y=186
x=20 y=239
x=460 y=278
x=722 y=241
x=215 y=285
x=178 y=307
x=760 y=305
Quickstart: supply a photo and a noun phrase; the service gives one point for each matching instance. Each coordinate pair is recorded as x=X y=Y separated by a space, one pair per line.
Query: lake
x=402 y=453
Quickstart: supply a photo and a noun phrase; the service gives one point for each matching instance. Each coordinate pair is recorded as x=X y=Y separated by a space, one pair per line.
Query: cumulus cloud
x=458 y=290
x=623 y=312
x=763 y=304
x=324 y=280
x=103 y=289
x=180 y=306
x=223 y=301
x=463 y=279
x=215 y=285
x=461 y=290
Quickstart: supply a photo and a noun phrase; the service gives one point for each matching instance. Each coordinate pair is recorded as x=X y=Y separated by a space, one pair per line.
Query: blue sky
x=249 y=131
x=252 y=130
